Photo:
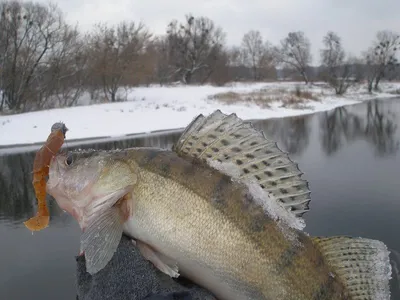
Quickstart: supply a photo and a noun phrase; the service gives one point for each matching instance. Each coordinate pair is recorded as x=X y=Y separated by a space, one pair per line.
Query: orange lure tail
x=41 y=171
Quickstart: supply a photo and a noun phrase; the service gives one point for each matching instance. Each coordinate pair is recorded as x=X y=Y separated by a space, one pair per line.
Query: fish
x=224 y=208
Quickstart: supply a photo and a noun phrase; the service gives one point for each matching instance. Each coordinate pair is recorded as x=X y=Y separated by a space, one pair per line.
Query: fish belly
x=200 y=272
x=206 y=245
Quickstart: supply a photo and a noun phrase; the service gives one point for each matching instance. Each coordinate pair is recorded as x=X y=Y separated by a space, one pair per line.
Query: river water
x=350 y=156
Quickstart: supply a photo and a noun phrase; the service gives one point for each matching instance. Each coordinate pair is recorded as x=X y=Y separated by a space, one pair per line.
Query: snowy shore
x=155 y=108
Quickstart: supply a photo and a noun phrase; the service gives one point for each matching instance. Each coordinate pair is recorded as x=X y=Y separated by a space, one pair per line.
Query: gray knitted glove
x=128 y=276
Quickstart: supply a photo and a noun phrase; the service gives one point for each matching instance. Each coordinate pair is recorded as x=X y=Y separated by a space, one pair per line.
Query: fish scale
x=223 y=208
x=214 y=231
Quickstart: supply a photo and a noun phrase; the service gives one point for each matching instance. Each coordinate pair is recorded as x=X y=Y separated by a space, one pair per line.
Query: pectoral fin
x=160 y=261
x=101 y=238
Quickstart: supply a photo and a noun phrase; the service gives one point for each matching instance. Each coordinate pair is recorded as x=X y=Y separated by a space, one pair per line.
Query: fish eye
x=68 y=160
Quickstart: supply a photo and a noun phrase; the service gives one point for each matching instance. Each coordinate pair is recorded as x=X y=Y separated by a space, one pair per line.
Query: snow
x=154 y=108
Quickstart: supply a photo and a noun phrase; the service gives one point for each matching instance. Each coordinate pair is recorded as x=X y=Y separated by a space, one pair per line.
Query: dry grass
x=306 y=95
x=264 y=97
x=395 y=92
x=227 y=97
x=255 y=97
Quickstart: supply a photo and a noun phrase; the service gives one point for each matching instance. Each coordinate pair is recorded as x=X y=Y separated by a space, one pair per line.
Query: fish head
x=85 y=183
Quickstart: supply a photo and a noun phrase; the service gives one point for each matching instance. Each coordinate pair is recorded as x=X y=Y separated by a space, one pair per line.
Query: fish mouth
x=55 y=176
x=56 y=188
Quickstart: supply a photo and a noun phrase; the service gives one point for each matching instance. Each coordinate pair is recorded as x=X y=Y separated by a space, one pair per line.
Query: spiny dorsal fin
x=362 y=264
x=228 y=139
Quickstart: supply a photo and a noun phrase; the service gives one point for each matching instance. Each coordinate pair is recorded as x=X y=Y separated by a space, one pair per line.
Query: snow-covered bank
x=159 y=108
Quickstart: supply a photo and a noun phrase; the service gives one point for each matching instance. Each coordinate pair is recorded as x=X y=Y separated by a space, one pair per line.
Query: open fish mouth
x=55 y=176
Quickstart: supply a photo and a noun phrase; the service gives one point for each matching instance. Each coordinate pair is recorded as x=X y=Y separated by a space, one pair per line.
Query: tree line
x=46 y=62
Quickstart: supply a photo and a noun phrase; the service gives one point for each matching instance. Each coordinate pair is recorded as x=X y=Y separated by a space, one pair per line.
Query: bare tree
x=393 y=73
x=149 y=69
x=164 y=70
x=193 y=47
x=294 y=52
x=29 y=34
x=333 y=54
x=257 y=55
x=235 y=64
x=219 y=72
x=68 y=68
x=115 y=54
x=235 y=56
x=338 y=72
x=381 y=57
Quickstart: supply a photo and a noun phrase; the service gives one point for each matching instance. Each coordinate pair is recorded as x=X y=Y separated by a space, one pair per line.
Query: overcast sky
x=356 y=21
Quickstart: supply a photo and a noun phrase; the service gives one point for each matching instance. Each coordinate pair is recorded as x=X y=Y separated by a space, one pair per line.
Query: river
x=349 y=155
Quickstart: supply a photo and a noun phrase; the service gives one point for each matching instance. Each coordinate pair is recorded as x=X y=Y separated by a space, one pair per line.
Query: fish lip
x=55 y=175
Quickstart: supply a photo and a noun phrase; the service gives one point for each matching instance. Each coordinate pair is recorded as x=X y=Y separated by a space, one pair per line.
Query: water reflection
x=375 y=124
x=17 y=198
x=292 y=134
x=381 y=128
x=336 y=129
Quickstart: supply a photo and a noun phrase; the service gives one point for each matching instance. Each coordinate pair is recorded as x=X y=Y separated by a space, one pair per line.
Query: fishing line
x=65 y=141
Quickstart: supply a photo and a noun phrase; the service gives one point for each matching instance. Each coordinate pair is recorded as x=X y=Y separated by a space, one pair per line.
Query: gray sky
x=356 y=21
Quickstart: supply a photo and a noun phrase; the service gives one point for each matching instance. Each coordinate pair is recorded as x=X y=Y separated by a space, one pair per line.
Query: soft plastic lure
x=40 y=173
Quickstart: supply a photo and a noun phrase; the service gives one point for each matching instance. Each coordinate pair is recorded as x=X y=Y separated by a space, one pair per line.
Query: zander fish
x=223 y=208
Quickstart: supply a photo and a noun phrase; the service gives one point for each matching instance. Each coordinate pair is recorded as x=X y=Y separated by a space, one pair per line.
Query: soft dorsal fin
x=228 y=139
x=363 y=265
